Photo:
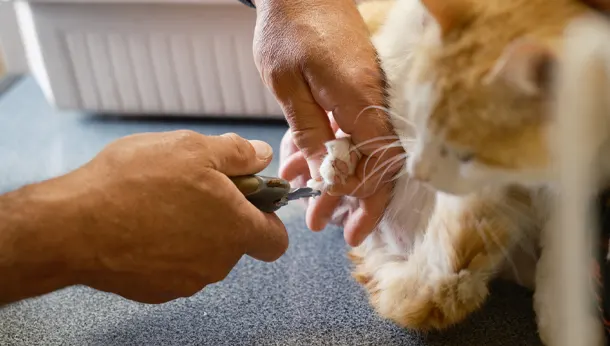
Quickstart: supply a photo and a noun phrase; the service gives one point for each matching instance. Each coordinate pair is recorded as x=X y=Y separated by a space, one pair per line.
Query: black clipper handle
x=266 y=193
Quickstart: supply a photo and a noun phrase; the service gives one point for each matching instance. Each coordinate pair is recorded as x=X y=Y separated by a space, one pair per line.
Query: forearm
x=36 y=229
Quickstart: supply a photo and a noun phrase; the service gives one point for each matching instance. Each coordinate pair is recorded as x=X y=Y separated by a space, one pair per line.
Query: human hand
x=293 y=167
x=603 y=5
x=159 y=219
x=316 y=57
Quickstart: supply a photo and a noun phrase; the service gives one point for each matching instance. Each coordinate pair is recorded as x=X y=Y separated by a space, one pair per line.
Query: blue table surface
x=305 y=298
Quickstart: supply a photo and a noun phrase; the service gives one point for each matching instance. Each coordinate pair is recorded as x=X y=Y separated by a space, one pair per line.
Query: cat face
x=479 y=93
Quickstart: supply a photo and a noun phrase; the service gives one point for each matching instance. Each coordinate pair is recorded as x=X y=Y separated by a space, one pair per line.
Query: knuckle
x=186 y=135
x=275 y=77
x=243 y=149
x=189 y=140
x=233 y=136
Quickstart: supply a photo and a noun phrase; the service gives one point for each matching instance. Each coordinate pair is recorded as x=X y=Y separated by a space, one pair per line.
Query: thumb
x=233 y=155
x=267 y=240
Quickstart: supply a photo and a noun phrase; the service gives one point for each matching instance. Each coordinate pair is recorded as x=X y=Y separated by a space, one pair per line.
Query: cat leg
x=446 y=276
x=544 y=298
x=546 y=301
x=340 y=162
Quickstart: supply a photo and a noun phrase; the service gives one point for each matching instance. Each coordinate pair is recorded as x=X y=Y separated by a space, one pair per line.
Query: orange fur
x=472 y=240
x=501 y=126
x=374 y=13
x=445 y=275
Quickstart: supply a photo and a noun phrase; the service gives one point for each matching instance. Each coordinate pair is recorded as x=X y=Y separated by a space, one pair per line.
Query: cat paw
x=400 y=291
x=339 y=163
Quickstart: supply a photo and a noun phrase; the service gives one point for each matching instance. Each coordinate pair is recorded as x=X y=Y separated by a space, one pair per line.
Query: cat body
x=469 y=90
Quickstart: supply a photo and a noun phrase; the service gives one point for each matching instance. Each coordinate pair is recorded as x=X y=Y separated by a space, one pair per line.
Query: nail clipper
x=269 y=194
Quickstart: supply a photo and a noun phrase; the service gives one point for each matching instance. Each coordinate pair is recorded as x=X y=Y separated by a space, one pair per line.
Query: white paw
x=316 y=184
x=339 y=163
x=545 y=298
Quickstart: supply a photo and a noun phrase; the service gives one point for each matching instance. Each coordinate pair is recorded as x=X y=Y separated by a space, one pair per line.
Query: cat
x=469 y=88
x=374 y=13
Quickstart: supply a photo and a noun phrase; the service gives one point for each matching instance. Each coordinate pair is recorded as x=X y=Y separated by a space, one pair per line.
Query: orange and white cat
x=469 y=89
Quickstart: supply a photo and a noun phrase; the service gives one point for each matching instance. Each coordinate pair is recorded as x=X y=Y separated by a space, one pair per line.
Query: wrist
x=40 y=249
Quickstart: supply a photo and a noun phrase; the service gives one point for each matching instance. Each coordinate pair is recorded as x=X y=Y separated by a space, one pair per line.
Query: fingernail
x=263 y=150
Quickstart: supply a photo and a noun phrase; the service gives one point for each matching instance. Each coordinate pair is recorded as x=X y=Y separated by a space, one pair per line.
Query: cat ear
x=526 y=65
x=449 y=14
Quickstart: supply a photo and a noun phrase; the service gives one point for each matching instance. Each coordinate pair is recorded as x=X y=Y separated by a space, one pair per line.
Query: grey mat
x=305 y=298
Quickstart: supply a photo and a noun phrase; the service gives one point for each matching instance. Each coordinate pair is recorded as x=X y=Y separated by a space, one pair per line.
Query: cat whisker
x=388 y=163
x=399 y=175
x=520 y=209
x=402 y=172
x=526 y=221
x=506 y=255
x=392 y=163
x=385 y=148
x=387 y=111
x=373 y=140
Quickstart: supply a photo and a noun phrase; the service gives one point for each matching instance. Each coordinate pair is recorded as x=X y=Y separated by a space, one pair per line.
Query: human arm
x=34 y=256
x=316 y=57
x=152 y=218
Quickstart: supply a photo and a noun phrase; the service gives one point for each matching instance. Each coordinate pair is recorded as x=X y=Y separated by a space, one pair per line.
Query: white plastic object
x=187 y=57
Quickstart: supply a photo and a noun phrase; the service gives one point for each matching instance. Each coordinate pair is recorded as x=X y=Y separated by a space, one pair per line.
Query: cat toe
x=340 y=162
x=316 y=184
x=424 y=302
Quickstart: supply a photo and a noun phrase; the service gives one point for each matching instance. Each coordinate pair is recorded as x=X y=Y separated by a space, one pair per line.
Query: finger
x=370 y=129
x=309 y=124
x=371 y=174
x=311 y=129
x=233 y=155
x=295 y=165
x=287 y=146
x=365 y=219
x=346 y=207
x=262 y=235
x=320 y=211
x=268 y=239
x=357 y=97
x=358 y=119
x=333 y=123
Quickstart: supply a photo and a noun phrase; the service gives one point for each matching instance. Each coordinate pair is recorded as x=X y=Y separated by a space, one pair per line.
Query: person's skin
x=153 y=217
x=603 y=5
x=316 y=56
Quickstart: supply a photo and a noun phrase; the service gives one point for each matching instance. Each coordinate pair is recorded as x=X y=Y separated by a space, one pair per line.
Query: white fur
x=339 y=151
x=401 y=238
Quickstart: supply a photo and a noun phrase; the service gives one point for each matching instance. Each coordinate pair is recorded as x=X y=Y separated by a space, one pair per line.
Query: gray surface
x=305 y=298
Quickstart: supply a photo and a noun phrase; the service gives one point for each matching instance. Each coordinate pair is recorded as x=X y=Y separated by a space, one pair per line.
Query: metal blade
x=302 y=192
